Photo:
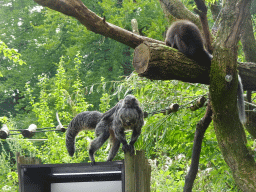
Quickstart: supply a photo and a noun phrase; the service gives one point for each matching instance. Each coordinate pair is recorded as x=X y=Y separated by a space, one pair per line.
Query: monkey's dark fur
x=83 y=121
x=186 y=37
x=126 y=114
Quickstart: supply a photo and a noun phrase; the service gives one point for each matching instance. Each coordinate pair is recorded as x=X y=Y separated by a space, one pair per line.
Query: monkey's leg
x=115 y=146
x=102 y=134
x=135 y=135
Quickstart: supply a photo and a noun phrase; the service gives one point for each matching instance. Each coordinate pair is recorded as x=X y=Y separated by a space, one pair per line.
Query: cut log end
x=141 y=58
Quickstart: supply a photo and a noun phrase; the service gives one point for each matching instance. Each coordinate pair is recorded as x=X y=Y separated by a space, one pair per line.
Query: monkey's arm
x=135 y=134
x=112 y=111
x=120 y=135
x=137 y=127
x=136 y=131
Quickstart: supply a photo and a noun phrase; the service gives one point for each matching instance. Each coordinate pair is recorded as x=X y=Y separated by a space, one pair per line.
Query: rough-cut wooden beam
x=94 y=23
x=159 y=62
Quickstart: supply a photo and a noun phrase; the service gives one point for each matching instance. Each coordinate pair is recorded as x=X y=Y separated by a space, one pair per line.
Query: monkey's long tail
x=71 y=139
x=240 y=101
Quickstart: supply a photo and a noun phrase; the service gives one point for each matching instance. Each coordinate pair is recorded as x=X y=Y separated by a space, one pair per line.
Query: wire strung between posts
x=33 y=132
x=180 y=107
x=38 y=128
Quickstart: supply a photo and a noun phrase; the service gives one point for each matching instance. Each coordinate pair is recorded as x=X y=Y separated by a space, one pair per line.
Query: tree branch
x=202 y=11
x=94 y=23
x=178 y=10
x=199 y=135
x=160 y=62
x=248 y=40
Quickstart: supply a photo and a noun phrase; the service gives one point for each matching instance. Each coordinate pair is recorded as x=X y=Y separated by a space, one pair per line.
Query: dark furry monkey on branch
x=126 y=114
x=186 y=37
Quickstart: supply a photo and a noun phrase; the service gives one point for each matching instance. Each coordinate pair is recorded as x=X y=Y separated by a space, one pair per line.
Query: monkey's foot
x=126 y=148
x=92 y=163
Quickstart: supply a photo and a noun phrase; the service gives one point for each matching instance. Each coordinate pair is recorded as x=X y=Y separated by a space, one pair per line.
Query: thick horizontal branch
x=94 y=23
x=159 y=62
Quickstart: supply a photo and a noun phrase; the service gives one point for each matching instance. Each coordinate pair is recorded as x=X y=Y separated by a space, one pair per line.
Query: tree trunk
x=229 y=131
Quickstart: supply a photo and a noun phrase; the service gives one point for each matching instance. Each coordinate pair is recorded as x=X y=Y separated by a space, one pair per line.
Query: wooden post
x=137 y=173
x=148 y=176
x=140 y=174
x=129 y=172
x=27 y=161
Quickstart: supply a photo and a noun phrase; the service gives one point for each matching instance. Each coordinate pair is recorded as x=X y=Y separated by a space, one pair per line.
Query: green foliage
x=149 y=15
x=3 y=120
x=8 y=150
x=10 y=54
x=104 y=102
x=63 y=94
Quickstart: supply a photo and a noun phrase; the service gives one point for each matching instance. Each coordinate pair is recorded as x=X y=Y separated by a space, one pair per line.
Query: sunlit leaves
x=10 y=54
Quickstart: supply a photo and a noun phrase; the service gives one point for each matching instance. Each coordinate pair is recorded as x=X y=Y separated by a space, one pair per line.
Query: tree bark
x=199 y=135
x=229 y=131
x=160 y=62
x=178 y=10
x=248 y=40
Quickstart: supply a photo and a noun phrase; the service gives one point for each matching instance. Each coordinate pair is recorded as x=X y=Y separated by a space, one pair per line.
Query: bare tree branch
x=178 y=10
x=199 y=135
x=94 y=23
